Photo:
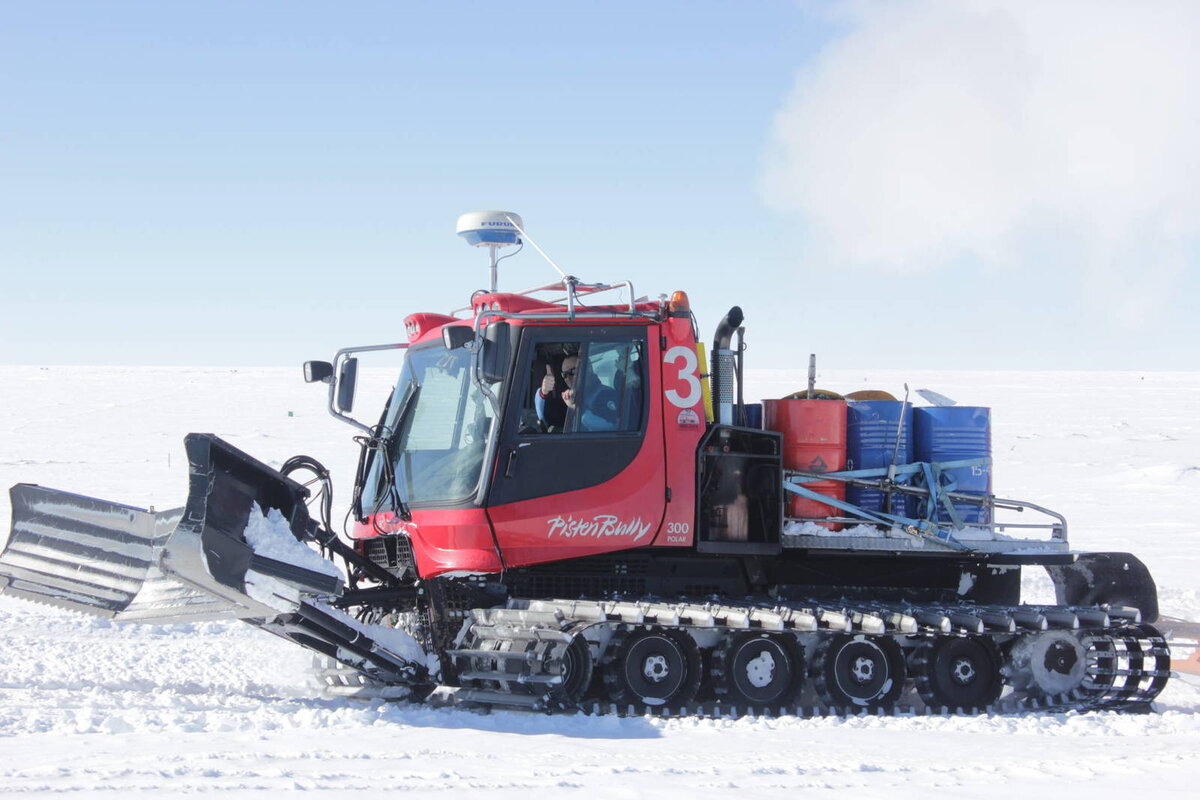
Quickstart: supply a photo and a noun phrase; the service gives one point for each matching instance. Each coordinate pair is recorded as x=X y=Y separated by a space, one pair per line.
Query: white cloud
x=937 y=130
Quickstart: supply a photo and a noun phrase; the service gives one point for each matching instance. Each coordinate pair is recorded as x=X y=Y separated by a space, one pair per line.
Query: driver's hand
x=548 y=382
x=568 y=397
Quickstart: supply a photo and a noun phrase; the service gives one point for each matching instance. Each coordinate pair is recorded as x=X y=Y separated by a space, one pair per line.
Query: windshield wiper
x=380 y=444
x=406 y=405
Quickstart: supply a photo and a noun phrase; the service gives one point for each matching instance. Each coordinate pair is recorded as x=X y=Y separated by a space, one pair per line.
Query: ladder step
x=521 y=635
x=511 y=655
x=497 y=698
x=510 y=677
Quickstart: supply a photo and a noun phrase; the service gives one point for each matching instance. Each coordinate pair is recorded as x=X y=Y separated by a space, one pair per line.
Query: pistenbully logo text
x=601 y=526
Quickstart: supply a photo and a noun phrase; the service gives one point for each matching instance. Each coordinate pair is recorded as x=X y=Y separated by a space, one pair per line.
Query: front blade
x=95 y=556
x=123 y=562
x=236 y=550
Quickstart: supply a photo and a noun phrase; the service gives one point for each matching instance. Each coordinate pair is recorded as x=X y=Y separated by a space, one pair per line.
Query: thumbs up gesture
x=548 y=382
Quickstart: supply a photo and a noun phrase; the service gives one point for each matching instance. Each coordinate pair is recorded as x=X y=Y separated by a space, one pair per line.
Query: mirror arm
x=342 y=355
x=477 y=360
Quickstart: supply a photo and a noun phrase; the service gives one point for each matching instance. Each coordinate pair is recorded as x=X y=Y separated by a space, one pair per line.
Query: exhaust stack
x=723 y=368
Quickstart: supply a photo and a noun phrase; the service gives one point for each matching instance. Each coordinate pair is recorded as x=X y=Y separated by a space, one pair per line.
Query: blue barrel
x=951 y=433
x=871 y=444
x=753 y=415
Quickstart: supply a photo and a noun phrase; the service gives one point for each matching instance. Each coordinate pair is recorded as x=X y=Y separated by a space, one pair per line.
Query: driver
x=595 y=411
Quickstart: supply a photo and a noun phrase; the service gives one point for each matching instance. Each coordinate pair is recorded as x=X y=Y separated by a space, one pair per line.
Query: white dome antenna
x=493 y=230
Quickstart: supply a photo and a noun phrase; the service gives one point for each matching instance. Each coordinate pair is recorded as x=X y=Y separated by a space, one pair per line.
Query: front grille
x=394 y=553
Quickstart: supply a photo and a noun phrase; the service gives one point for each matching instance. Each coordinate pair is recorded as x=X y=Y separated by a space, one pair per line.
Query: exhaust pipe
x=723 y=365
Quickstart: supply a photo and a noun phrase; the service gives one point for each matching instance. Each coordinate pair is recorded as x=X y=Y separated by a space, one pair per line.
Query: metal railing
x=569 y=291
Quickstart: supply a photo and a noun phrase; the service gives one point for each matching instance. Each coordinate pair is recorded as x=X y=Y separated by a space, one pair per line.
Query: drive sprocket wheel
x=1051 y=664
x=859 y=671
x=756 y=669
x=655 y=666
x=958 y=672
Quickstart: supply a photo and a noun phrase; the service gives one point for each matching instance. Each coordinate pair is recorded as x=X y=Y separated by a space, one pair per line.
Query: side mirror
x=497 y=352
x=456 y=336
x=318 y=372
x=346 y=379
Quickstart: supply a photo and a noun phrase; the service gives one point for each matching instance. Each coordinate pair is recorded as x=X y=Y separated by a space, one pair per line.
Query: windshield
x=436 y=425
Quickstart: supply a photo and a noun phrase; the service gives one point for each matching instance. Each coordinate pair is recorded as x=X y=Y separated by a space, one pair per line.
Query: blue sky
x=257 y=183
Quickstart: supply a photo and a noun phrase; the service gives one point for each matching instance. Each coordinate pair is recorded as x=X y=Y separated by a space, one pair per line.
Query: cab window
x=585 y=387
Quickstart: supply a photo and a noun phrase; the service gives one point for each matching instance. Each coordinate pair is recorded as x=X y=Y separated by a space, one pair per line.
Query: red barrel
x=814 y=440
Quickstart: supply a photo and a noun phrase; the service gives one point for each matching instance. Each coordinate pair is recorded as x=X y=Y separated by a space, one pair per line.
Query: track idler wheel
x=757 y=669
x=859 y=671
x=958 y=672
x=575 y=670
x=654 y=666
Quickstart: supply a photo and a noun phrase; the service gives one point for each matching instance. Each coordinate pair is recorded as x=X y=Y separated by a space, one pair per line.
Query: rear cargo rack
x=876 y=530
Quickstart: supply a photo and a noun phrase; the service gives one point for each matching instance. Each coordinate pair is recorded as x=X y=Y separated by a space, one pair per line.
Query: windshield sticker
x=601 y=526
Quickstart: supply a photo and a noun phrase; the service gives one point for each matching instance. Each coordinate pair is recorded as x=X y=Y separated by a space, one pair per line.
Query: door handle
x=512 y=459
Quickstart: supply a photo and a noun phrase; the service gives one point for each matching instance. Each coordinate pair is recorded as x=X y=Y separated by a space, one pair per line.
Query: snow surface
x=97 y=708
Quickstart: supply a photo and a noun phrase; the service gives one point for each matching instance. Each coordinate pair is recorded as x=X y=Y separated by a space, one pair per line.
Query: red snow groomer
x=560 y=508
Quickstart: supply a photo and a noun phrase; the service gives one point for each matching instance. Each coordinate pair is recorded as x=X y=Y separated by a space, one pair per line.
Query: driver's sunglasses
x=569 y=373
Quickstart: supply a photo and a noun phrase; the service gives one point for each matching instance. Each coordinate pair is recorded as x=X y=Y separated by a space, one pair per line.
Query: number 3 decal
x=687 y=374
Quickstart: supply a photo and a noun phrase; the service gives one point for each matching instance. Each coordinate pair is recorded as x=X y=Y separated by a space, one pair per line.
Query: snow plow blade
x=234 y=551
x=94 y=556
x=128 y=563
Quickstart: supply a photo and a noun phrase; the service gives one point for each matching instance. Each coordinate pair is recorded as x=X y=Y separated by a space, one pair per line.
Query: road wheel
x=655 y=666
x=859 y=671
x=958 y=672
x=756 y=669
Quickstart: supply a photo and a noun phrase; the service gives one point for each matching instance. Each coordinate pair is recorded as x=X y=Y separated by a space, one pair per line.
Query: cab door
x=571 y=486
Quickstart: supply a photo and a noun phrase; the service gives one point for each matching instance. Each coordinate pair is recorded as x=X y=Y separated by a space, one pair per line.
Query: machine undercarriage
x=633 y=653
x=802 y=658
